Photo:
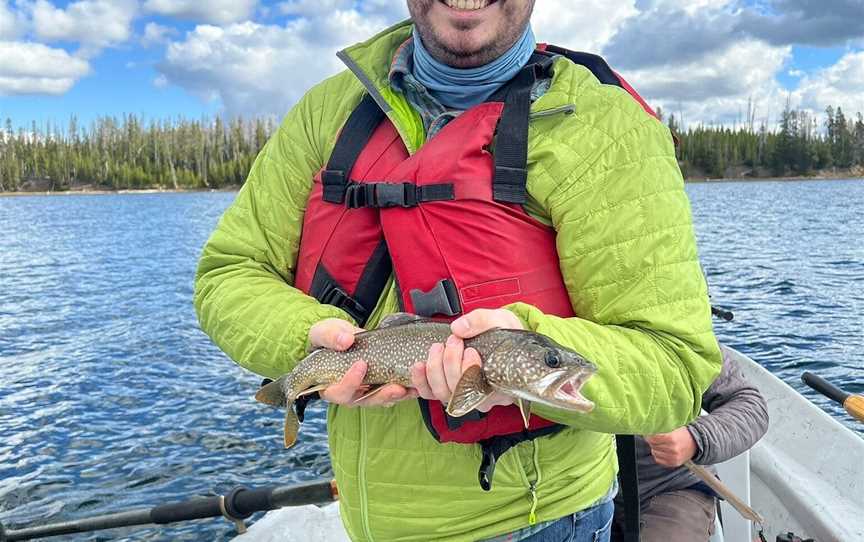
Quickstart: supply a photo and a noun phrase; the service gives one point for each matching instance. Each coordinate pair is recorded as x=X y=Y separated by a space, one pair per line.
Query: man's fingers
x=453 y=351
x=470 y=358
x=389 y=394
x=435 y=373
x=418 y=378
x=348 y=386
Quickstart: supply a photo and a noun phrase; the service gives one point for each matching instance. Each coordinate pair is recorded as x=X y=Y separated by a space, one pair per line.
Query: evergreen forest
x=128 y=153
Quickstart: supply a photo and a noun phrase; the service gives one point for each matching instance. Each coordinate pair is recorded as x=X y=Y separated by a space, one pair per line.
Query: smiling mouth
x=467 y=5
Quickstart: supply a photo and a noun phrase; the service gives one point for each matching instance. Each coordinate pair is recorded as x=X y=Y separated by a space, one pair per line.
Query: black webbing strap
x=628 y=476
x=352 y=140
x=383 y=195
x=326 y=290
x=373 y=280
x=511 y=144
x=493 y=448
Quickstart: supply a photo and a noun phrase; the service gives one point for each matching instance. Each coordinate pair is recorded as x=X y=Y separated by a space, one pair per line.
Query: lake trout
x=528 y=366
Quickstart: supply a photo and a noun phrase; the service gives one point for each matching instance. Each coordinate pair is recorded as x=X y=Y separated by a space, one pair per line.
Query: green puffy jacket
x=607 y=179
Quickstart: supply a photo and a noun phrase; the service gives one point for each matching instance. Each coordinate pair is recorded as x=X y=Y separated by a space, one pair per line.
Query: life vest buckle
x=337 y=297
x=442 y=299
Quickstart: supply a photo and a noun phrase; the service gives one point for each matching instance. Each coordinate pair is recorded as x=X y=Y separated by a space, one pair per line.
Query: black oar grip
x=825 y=388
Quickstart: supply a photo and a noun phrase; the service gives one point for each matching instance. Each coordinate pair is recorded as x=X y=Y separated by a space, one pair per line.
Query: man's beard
x=467 y=55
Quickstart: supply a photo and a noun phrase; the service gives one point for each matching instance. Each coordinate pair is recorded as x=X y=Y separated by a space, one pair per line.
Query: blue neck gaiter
x=463 y=88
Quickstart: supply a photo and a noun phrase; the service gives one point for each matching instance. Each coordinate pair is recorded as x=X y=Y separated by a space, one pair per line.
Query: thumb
x=333 y=333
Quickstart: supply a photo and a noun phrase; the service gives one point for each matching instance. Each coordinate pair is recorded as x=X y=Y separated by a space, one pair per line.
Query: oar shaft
x=239 y=504
x=108 y=521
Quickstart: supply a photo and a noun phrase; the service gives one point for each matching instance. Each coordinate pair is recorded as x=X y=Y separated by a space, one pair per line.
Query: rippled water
x=111 y=398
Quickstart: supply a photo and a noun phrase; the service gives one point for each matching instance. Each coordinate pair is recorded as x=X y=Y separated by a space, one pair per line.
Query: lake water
x=111 y=398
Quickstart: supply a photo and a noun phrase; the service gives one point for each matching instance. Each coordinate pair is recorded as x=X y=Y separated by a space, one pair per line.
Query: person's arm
x=629 y=261
x=737 y=419
x=244 y=296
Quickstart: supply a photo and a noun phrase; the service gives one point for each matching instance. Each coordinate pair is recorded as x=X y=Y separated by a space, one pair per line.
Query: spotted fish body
x=523 y=364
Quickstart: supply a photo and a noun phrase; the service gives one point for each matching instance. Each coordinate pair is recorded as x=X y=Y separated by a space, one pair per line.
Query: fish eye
x=552 y=359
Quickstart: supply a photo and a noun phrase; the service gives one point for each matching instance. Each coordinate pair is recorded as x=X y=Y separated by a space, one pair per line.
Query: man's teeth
x=467 y=4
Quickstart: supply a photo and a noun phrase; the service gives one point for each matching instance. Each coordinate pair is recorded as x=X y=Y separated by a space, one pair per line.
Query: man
x=457 y=208
x=676 y=505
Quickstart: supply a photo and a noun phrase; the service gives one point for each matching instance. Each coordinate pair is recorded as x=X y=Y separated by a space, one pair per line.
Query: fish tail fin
x=292 y=425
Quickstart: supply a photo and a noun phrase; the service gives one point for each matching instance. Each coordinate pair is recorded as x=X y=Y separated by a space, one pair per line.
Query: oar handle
x=854 y=404
x=824 y=387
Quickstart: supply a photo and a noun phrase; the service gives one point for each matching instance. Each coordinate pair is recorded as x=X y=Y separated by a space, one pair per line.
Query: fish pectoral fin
x=400 y=319
x=369 y=394
x=472 y=389
x=525 y=409
x=313 y=389
x=272 y=394
x=292 y=427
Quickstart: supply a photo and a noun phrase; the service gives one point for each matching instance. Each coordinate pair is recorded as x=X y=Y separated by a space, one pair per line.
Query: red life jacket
x=448 y=222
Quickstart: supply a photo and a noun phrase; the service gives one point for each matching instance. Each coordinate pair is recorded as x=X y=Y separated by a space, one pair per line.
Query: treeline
x=129 y=154
x=798 y=146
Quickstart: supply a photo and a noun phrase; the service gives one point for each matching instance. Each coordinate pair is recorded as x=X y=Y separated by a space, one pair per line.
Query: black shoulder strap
x=629 y=482
x=595 y=63
x=352 y=140
x=511 y=144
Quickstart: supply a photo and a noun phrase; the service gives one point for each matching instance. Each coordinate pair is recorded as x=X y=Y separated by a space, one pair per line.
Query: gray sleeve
x=737 y=416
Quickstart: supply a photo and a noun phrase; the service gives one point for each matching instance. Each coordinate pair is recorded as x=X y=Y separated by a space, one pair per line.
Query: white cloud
x=587 y=28
x=11 y=23
x=264 y=69
x=839 y=85
x=716 y=90
x=93 y=23
x=34 y=68
x=210 y=11
x=155 y=34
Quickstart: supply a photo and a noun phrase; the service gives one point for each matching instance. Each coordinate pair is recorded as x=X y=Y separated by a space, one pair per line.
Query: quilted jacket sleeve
x=629 y=260
x=737 y=419
x=243 y=288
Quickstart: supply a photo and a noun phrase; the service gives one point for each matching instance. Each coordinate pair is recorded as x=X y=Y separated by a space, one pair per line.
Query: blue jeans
x=591 y=525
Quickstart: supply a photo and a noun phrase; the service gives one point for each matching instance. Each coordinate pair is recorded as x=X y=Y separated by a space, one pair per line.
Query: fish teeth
x=467 y=4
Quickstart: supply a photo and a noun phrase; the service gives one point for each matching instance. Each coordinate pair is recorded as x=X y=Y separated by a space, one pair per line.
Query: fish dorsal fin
x=272 y=394
x=472 y=389
x=401 y=319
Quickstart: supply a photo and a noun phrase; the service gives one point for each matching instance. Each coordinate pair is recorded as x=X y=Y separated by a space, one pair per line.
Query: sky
x=703 y=60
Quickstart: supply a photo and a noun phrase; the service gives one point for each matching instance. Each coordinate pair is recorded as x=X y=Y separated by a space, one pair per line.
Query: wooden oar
x=854 y=404
x=721 y=489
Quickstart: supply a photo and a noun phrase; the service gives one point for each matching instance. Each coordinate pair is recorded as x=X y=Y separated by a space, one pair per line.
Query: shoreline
x=116 y=192
x=771 y=179
x=108 y=192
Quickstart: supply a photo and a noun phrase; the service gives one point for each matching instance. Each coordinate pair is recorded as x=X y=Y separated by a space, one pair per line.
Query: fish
x=528 y=366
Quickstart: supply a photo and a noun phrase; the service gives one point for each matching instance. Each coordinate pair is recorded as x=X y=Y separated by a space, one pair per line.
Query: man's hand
x=438 y=376
x=672 y=449
x=337 y=334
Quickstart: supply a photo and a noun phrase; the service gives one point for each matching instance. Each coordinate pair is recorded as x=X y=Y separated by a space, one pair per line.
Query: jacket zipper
x=567 y=109
x=361 y=477
x=532 y=487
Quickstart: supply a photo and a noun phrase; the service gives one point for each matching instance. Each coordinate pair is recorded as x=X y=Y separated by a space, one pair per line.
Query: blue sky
x=703 y=59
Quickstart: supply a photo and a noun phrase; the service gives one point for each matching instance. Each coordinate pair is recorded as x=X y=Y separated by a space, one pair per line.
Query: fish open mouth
x=567 y=390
